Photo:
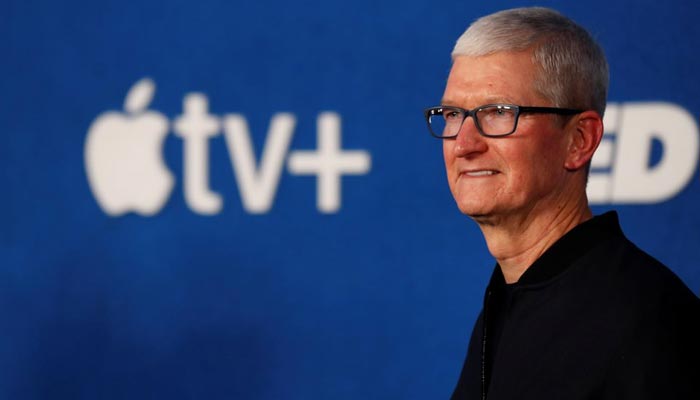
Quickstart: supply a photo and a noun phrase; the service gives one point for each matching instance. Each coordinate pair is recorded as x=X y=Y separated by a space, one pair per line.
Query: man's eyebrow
x=486 y=100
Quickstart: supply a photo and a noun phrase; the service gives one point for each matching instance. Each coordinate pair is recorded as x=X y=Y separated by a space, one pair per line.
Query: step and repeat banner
x=241 y=200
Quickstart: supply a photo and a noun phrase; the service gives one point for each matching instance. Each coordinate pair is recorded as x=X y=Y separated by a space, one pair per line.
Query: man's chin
x=483 y=219
x=478 y=214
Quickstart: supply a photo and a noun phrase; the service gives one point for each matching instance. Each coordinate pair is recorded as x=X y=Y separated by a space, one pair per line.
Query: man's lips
x=477 y=173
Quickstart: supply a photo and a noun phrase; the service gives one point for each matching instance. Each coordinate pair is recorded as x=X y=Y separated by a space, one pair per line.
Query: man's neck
x=517 y=243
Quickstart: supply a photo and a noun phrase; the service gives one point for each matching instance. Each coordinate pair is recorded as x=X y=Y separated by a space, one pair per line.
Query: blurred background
x=240 y=200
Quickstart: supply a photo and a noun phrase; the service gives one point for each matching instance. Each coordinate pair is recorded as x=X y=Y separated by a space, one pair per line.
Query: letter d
x=633 y=180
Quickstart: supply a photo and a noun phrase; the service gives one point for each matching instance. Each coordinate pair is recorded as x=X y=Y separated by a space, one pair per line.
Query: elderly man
x=573 y=310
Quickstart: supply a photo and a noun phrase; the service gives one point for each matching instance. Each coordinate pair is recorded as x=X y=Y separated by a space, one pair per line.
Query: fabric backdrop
x=240 y=200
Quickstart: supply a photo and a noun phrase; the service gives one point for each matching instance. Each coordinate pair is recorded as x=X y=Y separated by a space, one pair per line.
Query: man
x=573 y=309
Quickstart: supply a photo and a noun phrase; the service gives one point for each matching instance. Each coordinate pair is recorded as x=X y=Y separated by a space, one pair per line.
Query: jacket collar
x=562 y=254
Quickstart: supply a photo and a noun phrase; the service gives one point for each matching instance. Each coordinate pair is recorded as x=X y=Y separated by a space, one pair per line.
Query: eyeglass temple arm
x=551 y=110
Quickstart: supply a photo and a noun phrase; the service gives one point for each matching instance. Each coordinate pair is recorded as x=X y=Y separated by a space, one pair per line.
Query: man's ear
x=586 y=132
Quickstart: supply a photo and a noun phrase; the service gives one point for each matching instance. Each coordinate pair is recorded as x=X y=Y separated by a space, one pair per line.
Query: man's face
x=516 y=175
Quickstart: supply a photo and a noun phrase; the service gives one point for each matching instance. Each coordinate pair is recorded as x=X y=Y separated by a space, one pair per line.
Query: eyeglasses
x=491 y=120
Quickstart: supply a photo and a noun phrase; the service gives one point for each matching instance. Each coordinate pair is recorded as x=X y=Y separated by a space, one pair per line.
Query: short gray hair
x=573 y=69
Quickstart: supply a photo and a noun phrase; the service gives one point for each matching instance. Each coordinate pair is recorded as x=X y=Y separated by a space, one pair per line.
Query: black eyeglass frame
x=437 y=110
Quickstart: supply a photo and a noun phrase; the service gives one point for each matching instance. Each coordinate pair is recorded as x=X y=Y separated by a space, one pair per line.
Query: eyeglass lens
x=492 y=120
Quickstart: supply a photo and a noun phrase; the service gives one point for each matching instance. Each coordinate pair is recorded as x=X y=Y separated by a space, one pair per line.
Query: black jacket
x=593 y=318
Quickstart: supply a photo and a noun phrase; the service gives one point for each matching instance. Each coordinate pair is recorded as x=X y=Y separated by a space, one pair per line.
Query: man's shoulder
x=636 y=280
x=625 y=260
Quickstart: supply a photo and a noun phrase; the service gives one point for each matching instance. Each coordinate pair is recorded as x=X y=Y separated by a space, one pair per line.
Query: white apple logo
x=124 y=156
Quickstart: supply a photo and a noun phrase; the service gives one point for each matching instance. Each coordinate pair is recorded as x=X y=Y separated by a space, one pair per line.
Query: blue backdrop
x=240 y=200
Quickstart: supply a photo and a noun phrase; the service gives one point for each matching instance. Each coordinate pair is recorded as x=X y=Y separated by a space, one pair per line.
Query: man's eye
x=497 y=112
x=451 y=115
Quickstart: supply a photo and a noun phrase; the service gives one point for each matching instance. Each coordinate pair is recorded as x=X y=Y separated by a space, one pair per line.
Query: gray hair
x=573 y=70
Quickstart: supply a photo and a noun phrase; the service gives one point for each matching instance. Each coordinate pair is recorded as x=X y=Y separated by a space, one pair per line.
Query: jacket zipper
x=483 y=346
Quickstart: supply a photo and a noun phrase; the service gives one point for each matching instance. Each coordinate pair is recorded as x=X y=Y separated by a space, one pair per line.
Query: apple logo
x=124 y=156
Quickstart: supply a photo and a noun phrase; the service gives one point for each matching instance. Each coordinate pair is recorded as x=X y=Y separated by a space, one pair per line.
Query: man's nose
x=468 y=140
